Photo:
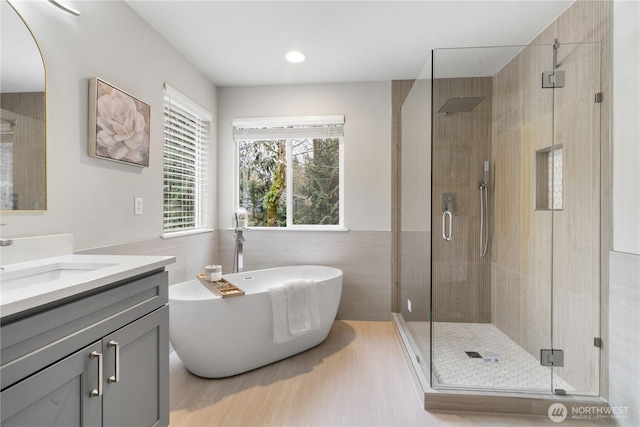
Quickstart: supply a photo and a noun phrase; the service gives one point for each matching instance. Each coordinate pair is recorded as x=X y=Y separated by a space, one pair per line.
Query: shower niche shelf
x=548 y=180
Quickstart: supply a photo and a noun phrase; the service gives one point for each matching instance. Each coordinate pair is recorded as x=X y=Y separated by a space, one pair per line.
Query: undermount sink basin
x=45 y=273
x=36 y=282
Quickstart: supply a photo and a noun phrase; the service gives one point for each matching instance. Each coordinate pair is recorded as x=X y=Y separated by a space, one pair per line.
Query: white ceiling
x=242 y=43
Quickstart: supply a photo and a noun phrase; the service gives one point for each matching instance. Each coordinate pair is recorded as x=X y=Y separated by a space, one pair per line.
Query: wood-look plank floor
x=357 y=377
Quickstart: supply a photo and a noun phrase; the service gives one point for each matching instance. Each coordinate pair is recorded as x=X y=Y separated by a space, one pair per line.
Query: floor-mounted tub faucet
x=240 y=219
x=238 y=261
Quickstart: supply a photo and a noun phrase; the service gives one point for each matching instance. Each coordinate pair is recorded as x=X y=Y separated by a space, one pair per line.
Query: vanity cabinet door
x=59 y=395
x=136 y=373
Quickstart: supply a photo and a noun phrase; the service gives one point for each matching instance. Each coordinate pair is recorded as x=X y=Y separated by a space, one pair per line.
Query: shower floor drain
x=473 y=354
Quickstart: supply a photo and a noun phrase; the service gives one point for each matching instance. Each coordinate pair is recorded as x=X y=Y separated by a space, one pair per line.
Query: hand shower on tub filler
x=240 y=219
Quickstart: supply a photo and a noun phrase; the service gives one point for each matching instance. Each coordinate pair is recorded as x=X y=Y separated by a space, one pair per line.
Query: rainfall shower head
x=461 y=104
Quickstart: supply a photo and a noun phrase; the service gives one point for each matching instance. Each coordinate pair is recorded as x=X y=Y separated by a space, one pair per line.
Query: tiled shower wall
x=522 y=263
x=461 y=144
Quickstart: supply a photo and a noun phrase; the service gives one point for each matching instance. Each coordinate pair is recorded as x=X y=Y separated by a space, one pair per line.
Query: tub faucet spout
x=238 y=258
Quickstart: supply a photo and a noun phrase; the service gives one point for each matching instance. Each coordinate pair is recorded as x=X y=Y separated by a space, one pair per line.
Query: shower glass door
x=576 y=193
x=515 y=208
x=414 y=239
x=492 y=248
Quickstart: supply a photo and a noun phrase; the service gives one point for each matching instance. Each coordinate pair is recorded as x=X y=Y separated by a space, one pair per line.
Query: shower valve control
x=449 y=202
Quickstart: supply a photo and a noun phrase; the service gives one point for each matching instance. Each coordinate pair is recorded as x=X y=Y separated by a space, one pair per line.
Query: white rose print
x=122 y=129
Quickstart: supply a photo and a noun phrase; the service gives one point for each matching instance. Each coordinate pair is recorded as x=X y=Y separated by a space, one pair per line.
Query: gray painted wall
x=624 y=265
x=624 y=335
x=93 y=198
x=625 y=129
x=364 y=251
x=367 y=146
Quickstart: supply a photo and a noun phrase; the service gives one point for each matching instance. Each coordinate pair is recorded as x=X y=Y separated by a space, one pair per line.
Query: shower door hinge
x=598 y=98
x=597 y=342
x=551 y=357
x=553 y=79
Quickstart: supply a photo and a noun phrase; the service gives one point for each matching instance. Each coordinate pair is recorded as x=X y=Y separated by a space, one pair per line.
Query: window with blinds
x=290 y=171
x=186 y=161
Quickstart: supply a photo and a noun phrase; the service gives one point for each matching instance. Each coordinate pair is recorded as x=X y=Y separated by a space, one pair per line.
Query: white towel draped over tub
x=295 y=309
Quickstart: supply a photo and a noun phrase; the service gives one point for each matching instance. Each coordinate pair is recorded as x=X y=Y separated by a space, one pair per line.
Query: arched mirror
x=23 y=146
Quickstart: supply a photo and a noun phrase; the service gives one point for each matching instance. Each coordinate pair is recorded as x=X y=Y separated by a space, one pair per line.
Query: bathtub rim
x=209 y=295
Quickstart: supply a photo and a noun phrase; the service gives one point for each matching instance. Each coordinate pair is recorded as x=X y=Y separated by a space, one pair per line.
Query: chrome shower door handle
x=446 y=214
x=96 y=392
x=115 y=378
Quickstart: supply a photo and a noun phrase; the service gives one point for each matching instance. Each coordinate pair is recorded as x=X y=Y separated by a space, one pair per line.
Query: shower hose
x=484 y=220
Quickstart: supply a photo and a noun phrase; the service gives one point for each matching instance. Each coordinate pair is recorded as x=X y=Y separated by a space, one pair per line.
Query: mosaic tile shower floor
x=515 y=368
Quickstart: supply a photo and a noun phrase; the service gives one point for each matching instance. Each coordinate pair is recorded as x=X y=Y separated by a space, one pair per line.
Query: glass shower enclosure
x=499 y=224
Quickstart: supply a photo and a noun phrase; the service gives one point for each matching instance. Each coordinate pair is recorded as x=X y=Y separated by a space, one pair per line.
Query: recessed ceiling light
x=295 y=57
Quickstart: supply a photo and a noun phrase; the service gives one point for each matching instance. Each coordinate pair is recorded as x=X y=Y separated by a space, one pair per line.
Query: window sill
x=298 y=228
x=186 y=233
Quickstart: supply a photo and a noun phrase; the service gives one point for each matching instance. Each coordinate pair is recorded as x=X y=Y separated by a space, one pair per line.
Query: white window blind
x=288 y=127
x=186 y=159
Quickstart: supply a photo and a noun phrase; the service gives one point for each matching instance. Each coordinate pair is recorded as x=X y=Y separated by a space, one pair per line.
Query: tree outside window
x=314 y=194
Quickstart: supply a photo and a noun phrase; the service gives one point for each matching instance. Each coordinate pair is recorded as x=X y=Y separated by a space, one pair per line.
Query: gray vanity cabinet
x=135 y=384
x=55 y=396
x=114 y=369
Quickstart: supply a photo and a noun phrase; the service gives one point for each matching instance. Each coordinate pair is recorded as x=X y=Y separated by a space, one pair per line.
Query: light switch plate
x=137 y=206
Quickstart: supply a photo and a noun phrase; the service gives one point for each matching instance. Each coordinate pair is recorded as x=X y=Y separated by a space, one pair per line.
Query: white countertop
x=15 y=298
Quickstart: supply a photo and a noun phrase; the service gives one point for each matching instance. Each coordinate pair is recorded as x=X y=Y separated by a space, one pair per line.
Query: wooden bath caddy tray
x=221 y=288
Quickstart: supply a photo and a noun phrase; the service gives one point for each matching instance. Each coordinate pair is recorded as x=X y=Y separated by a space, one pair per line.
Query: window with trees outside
x=186 y=164
x=290 y=172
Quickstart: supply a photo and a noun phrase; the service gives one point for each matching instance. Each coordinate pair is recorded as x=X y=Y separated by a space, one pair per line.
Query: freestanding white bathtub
x=218 y=337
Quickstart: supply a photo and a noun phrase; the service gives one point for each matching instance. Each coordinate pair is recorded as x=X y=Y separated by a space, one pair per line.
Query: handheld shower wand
x=484 y=210
x=486 y=172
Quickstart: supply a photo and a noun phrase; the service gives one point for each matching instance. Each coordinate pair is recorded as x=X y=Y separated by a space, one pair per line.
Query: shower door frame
x=602 y=389
x=590 y=23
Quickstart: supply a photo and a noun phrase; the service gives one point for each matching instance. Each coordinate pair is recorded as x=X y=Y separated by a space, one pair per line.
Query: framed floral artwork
x=118 y=125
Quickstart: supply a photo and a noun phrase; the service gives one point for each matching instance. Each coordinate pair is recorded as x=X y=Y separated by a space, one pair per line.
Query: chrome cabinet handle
x=115 y=378
x=446 y=214
x=96 y=392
